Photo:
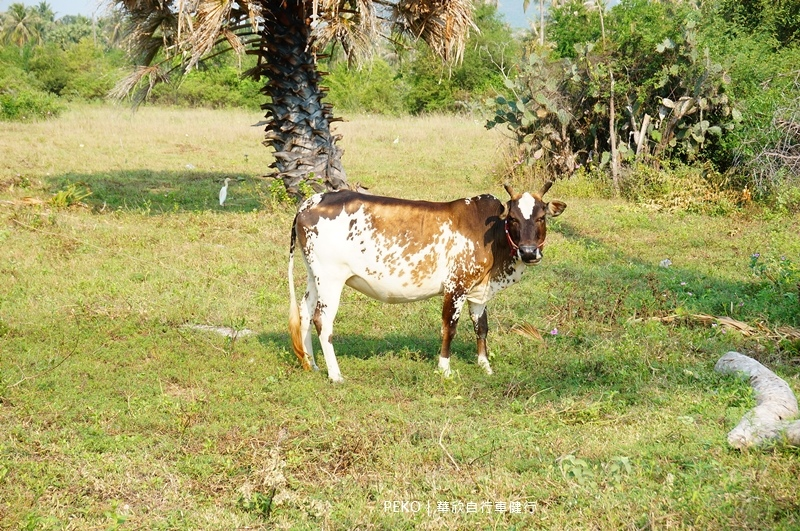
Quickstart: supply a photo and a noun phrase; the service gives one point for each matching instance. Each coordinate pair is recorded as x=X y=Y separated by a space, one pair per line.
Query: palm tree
x=44 y=12
x=169 y=37
x=45 y=19
x=21 y=25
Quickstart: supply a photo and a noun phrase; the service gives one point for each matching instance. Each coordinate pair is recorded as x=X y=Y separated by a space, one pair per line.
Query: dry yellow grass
x=97 y=139
x=424 y=162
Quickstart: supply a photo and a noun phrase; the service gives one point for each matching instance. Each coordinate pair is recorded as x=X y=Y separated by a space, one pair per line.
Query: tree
x=171 y=37
x=777 y=19
x=22 y=25
x=643 y=91
x=573 y=23
x=70 y=29
x=437 y=87
x=45 y=16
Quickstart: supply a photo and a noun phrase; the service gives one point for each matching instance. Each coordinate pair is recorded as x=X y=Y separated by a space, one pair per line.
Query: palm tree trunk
x=298 y=123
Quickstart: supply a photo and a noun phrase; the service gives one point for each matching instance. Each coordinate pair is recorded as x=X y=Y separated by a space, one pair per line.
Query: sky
x=511 y=9
x=62 y=7
x=513 y=13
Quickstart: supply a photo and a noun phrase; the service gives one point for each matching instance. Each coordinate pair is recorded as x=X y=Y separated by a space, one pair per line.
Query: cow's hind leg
x=328 y=296
x=480 y=321
x=307 y=307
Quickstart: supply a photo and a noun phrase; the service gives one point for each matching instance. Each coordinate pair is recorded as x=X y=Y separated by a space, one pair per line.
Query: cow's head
x=525 y=218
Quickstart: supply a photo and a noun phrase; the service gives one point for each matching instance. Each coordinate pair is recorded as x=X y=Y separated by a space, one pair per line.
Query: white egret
x=223 y=193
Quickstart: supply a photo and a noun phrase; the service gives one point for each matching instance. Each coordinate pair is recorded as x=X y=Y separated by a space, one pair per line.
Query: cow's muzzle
x=530 y=254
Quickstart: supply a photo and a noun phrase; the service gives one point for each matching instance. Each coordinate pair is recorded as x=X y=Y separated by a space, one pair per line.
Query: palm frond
x=146 y=33
x=144 y=77
x=234 y=40
x=353 y=24
x=179 y=34
x=443 y=24
x=211 y=21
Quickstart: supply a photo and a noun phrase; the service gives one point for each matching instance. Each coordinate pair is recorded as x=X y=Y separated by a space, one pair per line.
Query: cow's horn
x=514 y=196
x=506 y=210
x=546 y=187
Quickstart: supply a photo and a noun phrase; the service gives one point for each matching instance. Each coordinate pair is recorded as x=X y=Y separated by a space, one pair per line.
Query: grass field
x=116 y=414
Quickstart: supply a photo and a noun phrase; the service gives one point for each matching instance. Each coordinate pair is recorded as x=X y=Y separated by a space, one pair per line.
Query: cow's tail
x=294 y=311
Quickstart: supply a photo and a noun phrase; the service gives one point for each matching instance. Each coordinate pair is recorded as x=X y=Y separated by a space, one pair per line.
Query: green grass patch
x=115 y=414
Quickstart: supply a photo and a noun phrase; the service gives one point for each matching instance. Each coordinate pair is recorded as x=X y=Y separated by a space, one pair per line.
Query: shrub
x=93 y=71
x=787 y=199
x=81 y=70
x=696 y=188
x=438 y=87
x=218 y=87
x=643 y=94
x=27 y=105
x=572 y=24
x=47 y=65
x=757 y=44
x=767 y=149
x=374 y=88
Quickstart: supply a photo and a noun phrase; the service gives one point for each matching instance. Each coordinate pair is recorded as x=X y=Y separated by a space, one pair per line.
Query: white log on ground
x=226 y=331
x=775 y=405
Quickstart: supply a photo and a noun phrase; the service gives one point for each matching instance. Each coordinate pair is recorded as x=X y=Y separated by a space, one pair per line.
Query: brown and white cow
x=396 y=250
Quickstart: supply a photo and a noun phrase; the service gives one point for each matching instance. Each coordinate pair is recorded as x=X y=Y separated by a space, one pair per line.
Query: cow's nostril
x=530 y=253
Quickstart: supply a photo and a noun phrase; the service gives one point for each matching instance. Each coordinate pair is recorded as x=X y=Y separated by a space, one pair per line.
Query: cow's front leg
x=451 y=311
x=480 y=321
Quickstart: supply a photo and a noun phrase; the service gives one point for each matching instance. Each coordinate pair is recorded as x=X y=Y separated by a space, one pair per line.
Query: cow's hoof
x=312 y=364
x=336 y=379
x=484 y=363
x=444 y=367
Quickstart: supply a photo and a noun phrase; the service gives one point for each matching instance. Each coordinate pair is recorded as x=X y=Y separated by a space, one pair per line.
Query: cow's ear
x=555 y=208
